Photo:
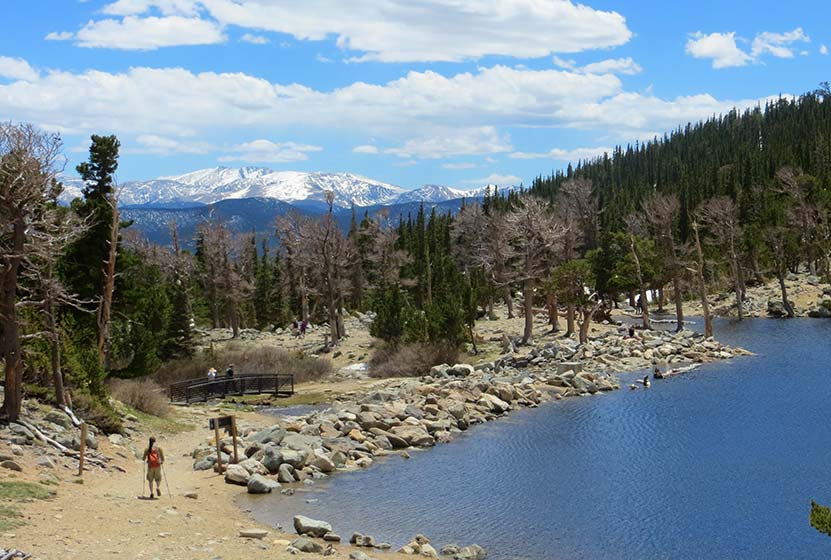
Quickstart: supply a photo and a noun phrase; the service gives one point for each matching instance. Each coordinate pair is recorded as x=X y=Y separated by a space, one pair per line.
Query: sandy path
x=103 y=517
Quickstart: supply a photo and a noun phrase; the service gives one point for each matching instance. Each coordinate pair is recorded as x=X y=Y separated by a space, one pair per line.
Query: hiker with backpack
x=154 y=457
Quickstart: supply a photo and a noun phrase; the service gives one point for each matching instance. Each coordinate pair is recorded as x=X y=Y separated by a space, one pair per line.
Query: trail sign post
x=230 y=425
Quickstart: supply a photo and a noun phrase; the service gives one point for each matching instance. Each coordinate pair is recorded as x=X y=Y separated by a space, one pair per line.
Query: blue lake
x=718 y=463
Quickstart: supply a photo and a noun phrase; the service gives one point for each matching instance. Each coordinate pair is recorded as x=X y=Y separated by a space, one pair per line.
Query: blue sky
x=409 y=92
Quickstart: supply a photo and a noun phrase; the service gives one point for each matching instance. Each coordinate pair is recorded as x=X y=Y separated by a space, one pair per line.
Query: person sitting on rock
x=154 y=457
x=631 y=332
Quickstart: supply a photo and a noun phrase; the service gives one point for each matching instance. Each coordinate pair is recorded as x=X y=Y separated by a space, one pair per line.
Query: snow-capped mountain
x=208 y=186
x=434 y=193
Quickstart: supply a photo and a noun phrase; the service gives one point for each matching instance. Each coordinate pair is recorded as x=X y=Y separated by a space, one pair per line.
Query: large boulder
x=294 y=458
x=272 y=458
x=460 y=370
x=493 y=403
x=236 y=474
x=274 y=434
x=776 y=309
x=258 y=484
x=321 y=462
x=285 y=473
x=307 y=545
x=311 y=527
x=254 y=467
x=414 y=435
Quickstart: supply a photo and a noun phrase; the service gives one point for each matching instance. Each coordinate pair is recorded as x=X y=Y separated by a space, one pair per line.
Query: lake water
x=720 y=463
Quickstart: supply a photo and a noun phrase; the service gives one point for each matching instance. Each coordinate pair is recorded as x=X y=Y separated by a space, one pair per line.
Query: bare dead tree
x=29 y=163
x=578 y=197
x=43 y=289
x=634 y=225
x=720 y=217
x=807 y=221
x=660 y=212
x=702 y=285
x=777 y=240
x=536 y=236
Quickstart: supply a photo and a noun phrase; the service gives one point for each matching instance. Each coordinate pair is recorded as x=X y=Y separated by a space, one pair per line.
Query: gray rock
x=460 y=370
x=59 y=418
x=272 y=459
x=304 y=544
x=322 y=462
x=254 y=467
x=312 y=527
x=236 y=474
x=274 y=434
x=358 y=555
x=45 y=462
x=19 y=430
x=331 y=537
x=472 y=552
x=116 y=439
x=286 y=473
x=294 y=458
x=258 y=484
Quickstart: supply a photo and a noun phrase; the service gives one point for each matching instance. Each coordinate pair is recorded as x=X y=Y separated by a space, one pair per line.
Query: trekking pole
x=143 y=477
x=166 y=483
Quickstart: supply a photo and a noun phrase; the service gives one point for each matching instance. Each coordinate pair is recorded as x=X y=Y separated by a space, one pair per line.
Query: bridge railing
x=201 y=389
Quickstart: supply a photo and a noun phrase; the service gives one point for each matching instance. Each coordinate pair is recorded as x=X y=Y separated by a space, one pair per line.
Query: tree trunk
x=679 y=302
x=528 y=304
x=553 y=313
x=641 y=287
x=780 y=274
x=55 y=350
x=702 y=287
x=509 y=301
x=105 y=306
x=12 y=358
x=304 y=299
x=584 y=326
x=661 y=299
x=569 y=319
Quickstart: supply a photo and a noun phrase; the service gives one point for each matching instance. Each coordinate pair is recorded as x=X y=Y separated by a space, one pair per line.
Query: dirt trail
x=104 y=518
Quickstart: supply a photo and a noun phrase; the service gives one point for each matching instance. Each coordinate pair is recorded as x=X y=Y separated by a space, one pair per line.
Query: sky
x=410 y=92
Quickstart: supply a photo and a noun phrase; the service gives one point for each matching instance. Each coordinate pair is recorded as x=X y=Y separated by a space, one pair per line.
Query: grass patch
x=9 y=518
x=13 y=491
x=24 y=491
x=171 y=424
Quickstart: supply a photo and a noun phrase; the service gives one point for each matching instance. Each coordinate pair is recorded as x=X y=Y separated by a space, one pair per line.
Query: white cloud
x=777 y=44
x=460 y=165
x=408 y=163
x=559 y=154
x=720 y=47
x=59 y=36
x=161 y=145
x=421 y=115
x=609 y=66
x=254 y=39
x=266 y=151
x=823 y=50
x=406 y=31
x=365 y=149
x=17 y=69
x=148 y=33
x=495 y=179
x=468 y=141
x=725 y=53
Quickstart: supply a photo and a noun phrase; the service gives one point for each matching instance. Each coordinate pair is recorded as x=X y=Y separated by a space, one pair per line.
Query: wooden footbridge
x=201 y=389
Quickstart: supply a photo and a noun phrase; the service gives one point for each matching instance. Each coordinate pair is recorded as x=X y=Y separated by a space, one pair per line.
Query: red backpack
x=153 y=459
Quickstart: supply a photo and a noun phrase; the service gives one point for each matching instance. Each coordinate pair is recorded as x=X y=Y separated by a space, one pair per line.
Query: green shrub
x=820 y=518
x=142 y=394
x=96 y=411
x=410 y=360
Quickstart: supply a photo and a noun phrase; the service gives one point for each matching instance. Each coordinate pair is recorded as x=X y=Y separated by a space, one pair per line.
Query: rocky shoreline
x=401 y=414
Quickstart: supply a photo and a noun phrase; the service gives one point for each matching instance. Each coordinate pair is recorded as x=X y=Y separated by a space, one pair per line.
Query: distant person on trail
x=211 y=374
x=631 y=332
x=656 y=373
x=303 y=325
x=229 y=373
x=639 y=304
x=154 y=457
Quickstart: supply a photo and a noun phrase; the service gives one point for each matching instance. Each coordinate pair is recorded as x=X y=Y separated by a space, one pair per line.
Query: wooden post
x=83 y=449
x=234 y=437
x=218 y=447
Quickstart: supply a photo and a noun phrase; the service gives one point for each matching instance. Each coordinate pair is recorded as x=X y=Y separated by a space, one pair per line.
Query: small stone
x=331 y=537
x=358 y=555
x=192 y=495
x=304 y=544
x=253 y=533
x=11 y=465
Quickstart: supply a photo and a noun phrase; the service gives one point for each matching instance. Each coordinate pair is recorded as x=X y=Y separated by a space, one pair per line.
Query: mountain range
x=250 y=198
x=301 y=189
